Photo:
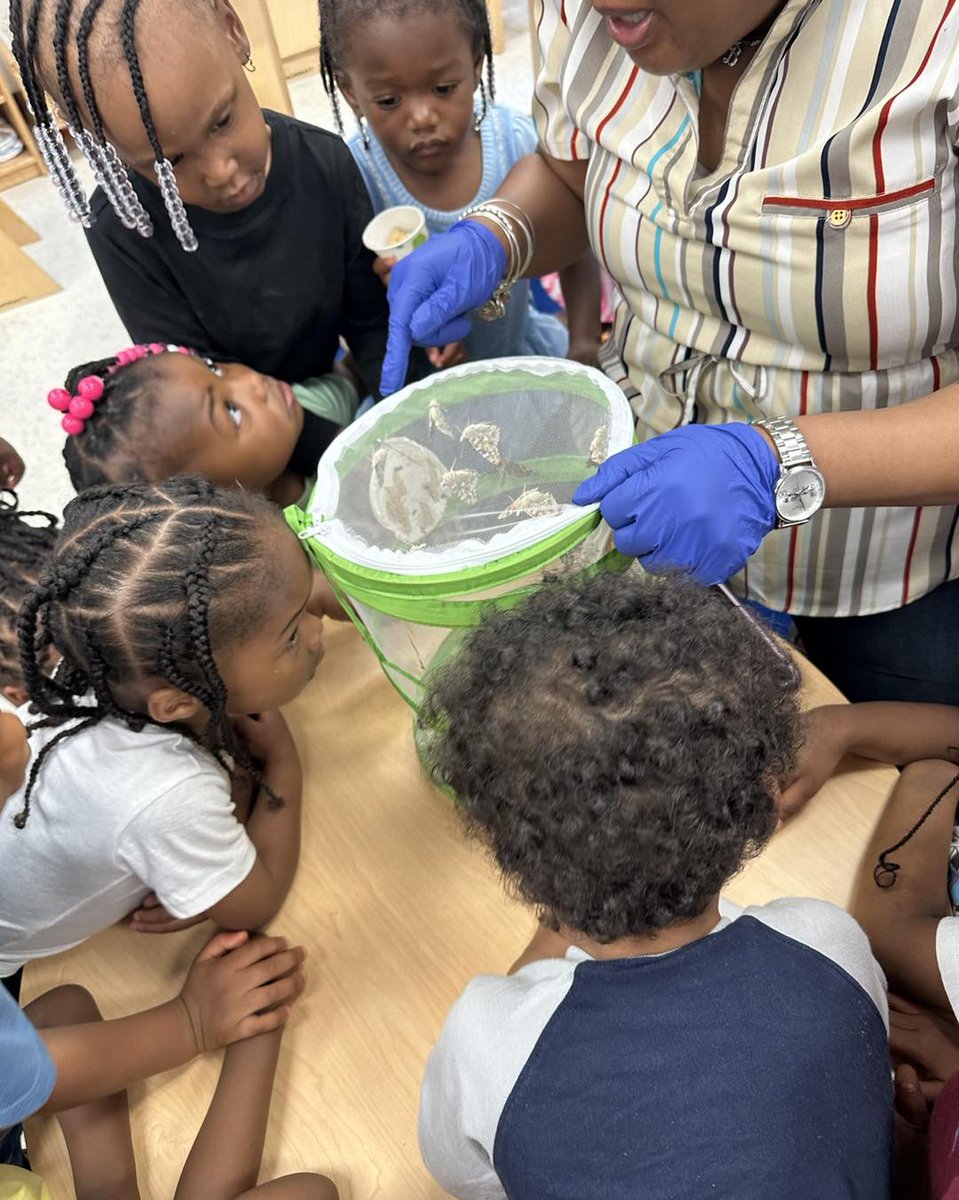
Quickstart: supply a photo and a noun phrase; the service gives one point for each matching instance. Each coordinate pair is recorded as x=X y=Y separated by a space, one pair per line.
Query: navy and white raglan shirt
x=752 y=1064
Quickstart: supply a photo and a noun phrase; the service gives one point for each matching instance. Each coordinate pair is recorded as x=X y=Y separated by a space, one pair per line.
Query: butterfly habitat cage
x=455 y=494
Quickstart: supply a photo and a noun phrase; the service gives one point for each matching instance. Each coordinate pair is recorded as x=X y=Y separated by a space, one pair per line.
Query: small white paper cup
x=380 y=235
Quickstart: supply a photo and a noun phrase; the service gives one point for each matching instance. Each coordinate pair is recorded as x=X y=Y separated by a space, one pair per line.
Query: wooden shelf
x=28 y=164
x=19 y=169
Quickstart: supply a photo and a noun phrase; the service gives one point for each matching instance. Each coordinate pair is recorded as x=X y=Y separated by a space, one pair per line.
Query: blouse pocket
x=839 y=212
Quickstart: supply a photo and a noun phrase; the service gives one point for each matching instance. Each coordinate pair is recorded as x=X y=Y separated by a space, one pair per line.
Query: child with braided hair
x=410 y=70
x=150 y=412
x=60 y=1056
x=26 y=541
x=177 y=610
x=214 y=224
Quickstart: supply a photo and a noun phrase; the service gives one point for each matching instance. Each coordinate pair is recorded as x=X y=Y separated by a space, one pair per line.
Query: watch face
x=800 y=494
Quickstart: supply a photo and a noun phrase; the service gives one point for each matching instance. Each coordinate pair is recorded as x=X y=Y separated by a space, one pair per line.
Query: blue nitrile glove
x=433 y=287
x=698 y=498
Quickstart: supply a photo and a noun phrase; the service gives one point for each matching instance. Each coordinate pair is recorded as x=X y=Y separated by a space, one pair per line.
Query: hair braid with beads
x=117 y=443
x=46 y=131
x=145 y=581
x=340 y=18
x=161 y=165
x=109 y=171
x=26 y=542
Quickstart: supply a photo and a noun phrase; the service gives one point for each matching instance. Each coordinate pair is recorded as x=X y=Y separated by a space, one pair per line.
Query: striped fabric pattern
x=814 y=270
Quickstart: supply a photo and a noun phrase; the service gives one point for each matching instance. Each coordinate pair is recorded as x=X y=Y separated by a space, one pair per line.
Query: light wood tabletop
x=397 y=912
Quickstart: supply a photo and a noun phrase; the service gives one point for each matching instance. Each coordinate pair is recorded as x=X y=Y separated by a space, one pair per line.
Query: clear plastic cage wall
x=455 y=494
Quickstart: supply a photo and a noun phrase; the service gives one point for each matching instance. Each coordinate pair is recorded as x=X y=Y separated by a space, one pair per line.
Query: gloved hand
x=433 y=287
x=699 y=498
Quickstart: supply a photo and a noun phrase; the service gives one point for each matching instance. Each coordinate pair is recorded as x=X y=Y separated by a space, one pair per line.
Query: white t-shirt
x=947 y=956
x=497 y=1023
x=114 y=815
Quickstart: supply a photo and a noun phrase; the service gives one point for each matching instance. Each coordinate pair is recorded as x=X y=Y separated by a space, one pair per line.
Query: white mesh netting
x=468 y=466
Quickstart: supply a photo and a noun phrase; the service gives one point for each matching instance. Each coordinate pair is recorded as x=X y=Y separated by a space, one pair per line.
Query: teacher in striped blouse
x=773 y=186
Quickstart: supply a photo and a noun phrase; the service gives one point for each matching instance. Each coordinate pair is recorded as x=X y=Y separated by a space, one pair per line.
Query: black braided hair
x=128 y=41
x=25 y=63
x=340 y=18
x=117 y=443
x=44 y=65
x=145 y=581
x=26 y=542
x=61 y=30
x=84 y=29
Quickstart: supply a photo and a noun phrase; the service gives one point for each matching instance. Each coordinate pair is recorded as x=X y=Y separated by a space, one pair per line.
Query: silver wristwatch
x=801 y=489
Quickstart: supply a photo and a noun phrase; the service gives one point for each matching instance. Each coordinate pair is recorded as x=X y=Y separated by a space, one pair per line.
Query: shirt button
x=839 y=218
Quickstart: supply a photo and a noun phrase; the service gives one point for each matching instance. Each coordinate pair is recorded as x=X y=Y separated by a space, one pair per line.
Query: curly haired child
x=214 y=223
x=26 y=542
x=409 y=70
x=176 y=610
x=618 y=745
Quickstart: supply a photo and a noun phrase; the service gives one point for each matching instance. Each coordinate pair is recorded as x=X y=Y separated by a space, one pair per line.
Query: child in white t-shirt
x=906 y=895
x=178 y=609
x=618 y=744
x=60 y=1056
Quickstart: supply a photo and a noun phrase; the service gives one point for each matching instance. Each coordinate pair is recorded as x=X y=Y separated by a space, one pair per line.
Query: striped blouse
x=813 y=271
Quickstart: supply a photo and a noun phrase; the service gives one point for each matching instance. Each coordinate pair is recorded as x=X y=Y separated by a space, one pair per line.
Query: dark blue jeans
x=911 y=653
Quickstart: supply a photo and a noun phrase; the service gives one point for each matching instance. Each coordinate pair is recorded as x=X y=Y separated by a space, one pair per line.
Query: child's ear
x=234 y=29
x=477 y=73
x=167 y=705
x=16 y=695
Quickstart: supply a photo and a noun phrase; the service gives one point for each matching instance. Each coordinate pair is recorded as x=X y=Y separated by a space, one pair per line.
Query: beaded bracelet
x=509 y=219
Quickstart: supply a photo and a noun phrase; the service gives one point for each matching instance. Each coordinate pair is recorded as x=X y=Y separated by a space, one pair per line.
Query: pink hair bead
x=82 y=407
x=157 y=348
x=59 y=399
x=90 y=387
x=72 y=425
x=124 y=357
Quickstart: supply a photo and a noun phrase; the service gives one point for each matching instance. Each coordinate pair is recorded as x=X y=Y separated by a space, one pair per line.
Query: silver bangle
x=509 y=223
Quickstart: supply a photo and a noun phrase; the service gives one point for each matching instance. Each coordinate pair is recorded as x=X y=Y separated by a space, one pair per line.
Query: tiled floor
x=40 y=342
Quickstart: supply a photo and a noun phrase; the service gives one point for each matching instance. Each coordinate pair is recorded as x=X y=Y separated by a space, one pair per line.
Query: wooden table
x=398 y=912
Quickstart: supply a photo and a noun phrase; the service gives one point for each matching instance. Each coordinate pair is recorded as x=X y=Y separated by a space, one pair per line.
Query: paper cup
x=396 y=232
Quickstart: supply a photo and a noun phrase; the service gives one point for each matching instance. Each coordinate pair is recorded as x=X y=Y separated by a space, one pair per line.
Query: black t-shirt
x=273 y=286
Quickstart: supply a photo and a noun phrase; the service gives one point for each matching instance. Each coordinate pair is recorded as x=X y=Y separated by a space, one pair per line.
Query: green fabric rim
x=433 y=599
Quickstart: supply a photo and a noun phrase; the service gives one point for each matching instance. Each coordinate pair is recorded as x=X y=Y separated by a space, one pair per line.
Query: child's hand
x=382 y=268
x=926 y=1041
x=452 y=355
x=267 y=737
x=11 y=465
x=152 y=917
x=825 y=741
x=239 y=987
